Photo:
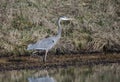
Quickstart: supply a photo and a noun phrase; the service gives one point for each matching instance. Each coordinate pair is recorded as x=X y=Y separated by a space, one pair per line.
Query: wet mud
x=56 y=61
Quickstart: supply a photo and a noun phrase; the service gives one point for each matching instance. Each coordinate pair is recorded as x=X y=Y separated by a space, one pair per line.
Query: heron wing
x=44 y=44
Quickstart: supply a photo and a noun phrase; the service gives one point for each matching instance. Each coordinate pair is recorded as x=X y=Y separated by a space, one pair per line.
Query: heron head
x=65 y=18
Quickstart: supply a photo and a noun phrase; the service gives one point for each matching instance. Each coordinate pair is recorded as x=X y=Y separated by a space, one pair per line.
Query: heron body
x=47 y=43
x=44 y=44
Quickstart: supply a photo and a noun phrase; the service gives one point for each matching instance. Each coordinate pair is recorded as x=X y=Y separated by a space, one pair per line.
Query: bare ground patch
x=56 y=61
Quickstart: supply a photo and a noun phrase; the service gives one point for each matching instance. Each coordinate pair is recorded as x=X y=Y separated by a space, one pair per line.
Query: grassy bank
x=96 y=24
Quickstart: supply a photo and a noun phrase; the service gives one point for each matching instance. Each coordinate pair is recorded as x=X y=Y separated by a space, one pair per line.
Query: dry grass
x=96 y=24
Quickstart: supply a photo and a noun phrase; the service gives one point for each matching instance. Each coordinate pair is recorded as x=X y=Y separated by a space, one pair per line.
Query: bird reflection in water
x=45 y=78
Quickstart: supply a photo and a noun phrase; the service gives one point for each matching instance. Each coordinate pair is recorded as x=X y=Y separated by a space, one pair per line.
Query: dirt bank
x=56 y=61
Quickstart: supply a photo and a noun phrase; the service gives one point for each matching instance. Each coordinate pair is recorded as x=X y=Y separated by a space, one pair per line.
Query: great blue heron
x=47 y=43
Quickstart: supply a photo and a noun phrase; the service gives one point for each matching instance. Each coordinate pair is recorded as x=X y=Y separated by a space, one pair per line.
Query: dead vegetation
x=96 y=24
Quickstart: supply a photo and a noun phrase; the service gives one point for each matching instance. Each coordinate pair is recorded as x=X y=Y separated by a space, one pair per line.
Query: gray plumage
x=47 y=43
x=44 y=44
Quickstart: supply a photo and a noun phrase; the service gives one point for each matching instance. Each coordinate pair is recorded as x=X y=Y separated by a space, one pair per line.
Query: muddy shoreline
x=56 y=61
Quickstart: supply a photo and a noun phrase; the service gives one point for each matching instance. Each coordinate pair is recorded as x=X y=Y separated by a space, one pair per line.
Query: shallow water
x=98 y=73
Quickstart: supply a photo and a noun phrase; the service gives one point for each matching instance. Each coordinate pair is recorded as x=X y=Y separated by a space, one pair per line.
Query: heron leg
x=44 y=58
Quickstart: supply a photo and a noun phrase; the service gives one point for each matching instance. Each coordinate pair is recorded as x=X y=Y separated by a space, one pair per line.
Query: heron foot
x=44 y=59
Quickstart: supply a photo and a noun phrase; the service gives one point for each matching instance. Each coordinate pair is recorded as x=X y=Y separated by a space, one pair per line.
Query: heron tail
x=30 y=47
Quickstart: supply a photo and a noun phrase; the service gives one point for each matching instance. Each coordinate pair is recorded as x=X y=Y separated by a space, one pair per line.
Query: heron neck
x=59 y=28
